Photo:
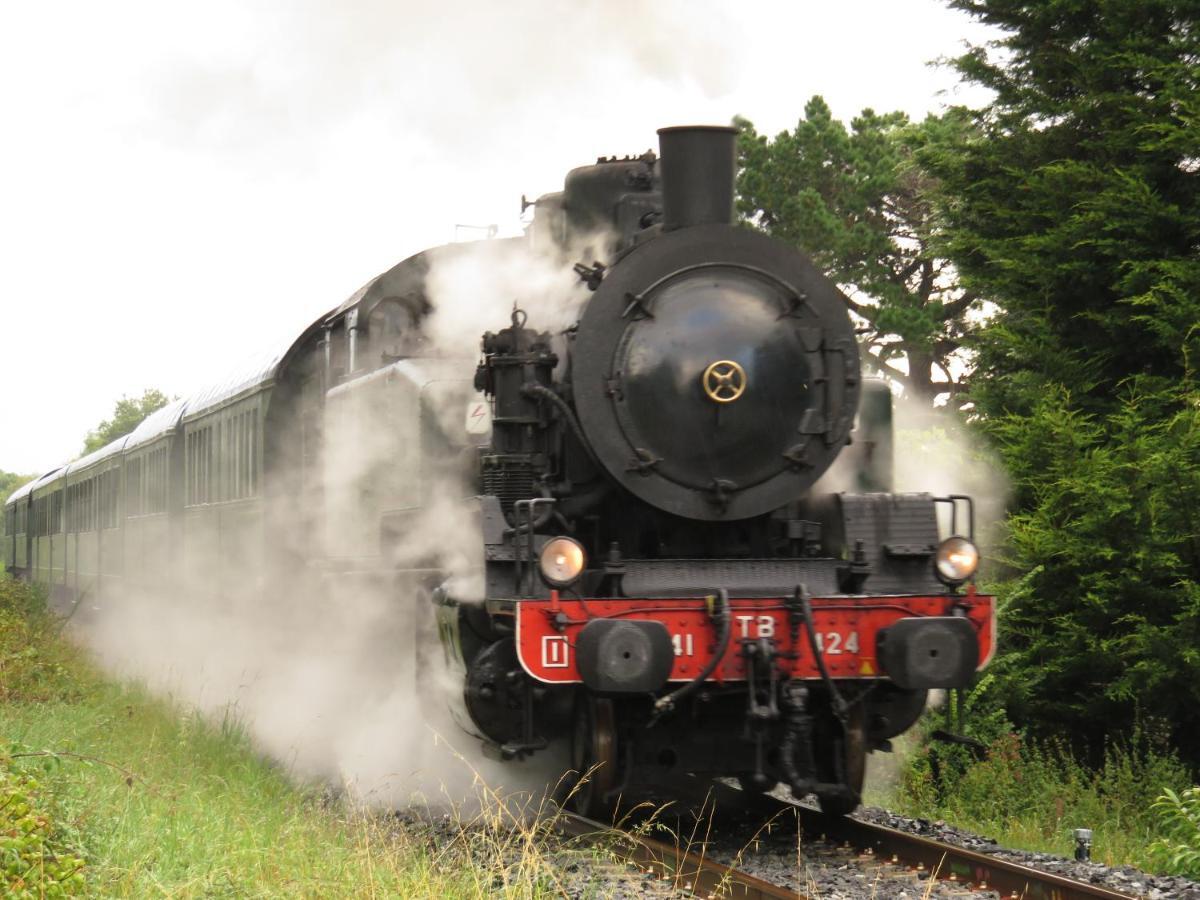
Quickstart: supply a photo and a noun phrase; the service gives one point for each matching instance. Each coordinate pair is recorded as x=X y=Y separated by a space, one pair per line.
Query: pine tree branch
x=860 y=308
x=954 y=308
x=899 y=374
x=906 y=273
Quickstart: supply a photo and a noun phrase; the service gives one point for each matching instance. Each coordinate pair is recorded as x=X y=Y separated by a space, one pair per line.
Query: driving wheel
x=593 y=757
x=844 y=762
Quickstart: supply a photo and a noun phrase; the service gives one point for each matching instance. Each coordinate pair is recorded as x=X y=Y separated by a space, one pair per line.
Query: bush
x=1178 y=850
x=1034 y=794
x=35 y=859
x=35 y=667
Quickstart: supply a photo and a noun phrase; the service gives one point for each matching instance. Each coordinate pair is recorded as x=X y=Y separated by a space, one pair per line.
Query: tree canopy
x=9 y=482
x=128 y=413
x=858 y=201
x=1075 y=204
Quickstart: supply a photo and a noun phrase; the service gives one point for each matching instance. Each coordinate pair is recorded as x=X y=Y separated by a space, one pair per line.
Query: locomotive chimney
x=697 y=167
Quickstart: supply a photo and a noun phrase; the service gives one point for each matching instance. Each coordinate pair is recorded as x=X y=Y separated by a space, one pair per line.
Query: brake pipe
x=667 y=703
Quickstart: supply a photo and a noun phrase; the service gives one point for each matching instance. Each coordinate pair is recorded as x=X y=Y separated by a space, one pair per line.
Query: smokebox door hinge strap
x=840 y=414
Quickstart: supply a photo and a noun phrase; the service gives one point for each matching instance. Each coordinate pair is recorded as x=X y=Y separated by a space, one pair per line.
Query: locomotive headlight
x=957 y=559
x=562 y=561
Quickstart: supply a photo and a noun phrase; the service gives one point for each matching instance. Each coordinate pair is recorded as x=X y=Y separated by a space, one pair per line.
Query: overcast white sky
x=184 y=185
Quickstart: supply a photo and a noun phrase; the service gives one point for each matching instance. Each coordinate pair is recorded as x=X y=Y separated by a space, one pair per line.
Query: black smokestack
x=697 y=169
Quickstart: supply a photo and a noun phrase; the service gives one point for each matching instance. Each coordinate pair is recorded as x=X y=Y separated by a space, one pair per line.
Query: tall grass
x=157 y=801
x=1033 y=796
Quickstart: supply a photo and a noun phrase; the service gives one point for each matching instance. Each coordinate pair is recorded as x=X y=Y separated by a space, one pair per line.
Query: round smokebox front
x=716 y=373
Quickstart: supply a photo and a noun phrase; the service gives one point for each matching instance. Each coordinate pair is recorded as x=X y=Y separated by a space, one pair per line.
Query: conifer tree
x=858 y=203
x=1077 y=207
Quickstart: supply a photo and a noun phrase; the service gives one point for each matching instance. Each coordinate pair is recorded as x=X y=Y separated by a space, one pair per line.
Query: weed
x=161 y=801
x=1034 y=795
x=1177 y=851
x=36 y=859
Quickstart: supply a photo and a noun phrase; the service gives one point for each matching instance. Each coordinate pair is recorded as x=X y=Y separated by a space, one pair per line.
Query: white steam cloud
x=937 y=453
x=341 y=676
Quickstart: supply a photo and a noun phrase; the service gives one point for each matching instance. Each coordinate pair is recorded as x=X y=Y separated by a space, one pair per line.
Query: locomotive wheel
x=593 y=757
x=845 y=762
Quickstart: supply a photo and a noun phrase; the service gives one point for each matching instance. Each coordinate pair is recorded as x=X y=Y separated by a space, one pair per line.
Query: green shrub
x=1033 y=794
x=35 y=859
x=1178 y=850
x=35 y=666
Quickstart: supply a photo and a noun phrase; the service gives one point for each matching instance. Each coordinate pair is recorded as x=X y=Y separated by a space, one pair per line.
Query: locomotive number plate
x=846 y=631
x=830 y=643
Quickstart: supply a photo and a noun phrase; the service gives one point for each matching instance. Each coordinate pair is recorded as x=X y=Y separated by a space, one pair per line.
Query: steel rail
x=941 y=860
x=690 y=871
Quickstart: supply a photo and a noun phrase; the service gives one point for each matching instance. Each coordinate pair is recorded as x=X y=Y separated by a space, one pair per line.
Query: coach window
x=194 y=468
x=222 y=460
x=253 y=452
x=108 y=499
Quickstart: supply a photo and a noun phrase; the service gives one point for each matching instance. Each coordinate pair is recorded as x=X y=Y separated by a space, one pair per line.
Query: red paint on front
x=848 y=627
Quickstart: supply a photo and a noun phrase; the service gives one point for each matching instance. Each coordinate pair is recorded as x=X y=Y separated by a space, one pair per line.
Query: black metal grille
x=508 y=479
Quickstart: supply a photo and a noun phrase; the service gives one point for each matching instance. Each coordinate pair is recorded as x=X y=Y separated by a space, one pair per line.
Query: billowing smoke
x=340 y=675
x=936 y=452
x=475 y=292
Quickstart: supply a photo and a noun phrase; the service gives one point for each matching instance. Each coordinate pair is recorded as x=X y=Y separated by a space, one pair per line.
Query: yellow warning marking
x=865 y=668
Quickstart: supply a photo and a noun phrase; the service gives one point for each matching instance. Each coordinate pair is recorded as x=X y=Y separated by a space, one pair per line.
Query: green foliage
x=35 y=859
x=1178 y=850
x=857 y=201
x=35 y=666
x=9 y=482
x=128 y=413
x=1103 y=624
x=1075 y=205
x=1034 y=795
x=168 y=803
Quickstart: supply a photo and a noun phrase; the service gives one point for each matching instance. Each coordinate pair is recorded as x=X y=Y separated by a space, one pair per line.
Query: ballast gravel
x=1125 y=879
x=818 y=868
x=807 y=864
x=506 y=864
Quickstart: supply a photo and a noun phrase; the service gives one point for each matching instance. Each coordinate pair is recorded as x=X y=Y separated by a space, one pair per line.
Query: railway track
x=677 y=868
x=738 y=854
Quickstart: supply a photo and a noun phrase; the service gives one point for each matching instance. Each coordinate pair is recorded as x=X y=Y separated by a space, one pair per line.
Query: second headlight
x=957 y=559
x=562 y=561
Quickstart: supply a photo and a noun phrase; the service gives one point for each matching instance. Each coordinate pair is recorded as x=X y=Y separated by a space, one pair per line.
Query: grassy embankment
x=107 y=791
x=1137 y=802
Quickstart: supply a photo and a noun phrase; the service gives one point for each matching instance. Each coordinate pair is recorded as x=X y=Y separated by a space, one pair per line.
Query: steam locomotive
x=666 y=581
x=687 y=556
